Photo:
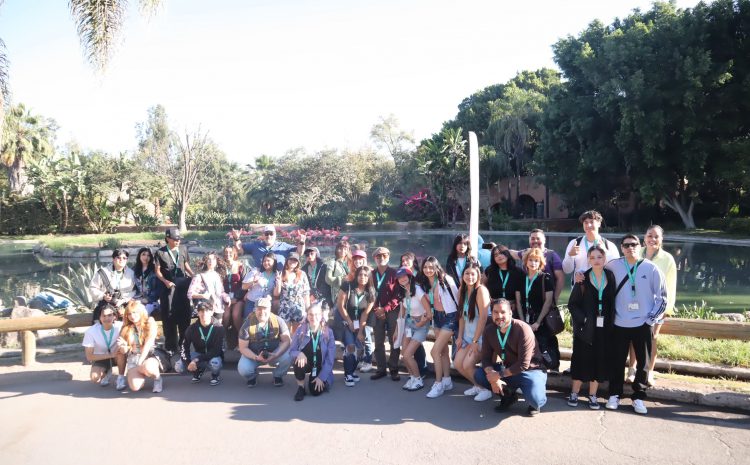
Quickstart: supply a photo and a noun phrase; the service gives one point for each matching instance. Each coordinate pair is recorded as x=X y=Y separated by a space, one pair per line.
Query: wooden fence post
x=29 y=348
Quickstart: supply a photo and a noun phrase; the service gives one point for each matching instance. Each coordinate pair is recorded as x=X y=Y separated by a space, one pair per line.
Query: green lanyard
x=631 y=275
x=503 y=340
x=268 y=275
x=599 y=287
x=314 y=341
x=314 y=275
x=265 y=334
x=504 y=280
x=207 y=336
x=431 y=293
x=460 y=271
x=407 y=304
x=108 y=340
x=137 y=340
x=345 y=267
x=118 y=275
x=380 y=279
x=528 y=288
x=466 y=306
x=586 y=243
x=357 y=299
x=175 y=259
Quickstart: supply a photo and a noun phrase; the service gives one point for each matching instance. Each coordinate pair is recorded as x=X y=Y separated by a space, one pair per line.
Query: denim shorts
x=445 y=321
x=418 y=333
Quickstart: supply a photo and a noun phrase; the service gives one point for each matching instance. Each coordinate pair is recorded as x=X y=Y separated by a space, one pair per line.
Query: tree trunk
x=183 y=218
x=17 y=179
x=686 y=215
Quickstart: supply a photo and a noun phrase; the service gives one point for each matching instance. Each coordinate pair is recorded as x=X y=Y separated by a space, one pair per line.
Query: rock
x=20 y=311
x=736 y=317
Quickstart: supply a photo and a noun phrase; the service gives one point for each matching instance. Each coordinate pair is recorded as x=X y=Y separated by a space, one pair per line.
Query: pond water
x=718 y=274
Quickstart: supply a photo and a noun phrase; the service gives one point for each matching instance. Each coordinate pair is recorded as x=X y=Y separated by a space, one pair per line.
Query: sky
x=264 y=77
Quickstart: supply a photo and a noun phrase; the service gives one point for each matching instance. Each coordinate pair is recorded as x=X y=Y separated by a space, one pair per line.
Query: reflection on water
x=718 y=274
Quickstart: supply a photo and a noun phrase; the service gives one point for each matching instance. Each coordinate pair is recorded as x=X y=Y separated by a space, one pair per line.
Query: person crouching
x=207 y=341
x=313 y=350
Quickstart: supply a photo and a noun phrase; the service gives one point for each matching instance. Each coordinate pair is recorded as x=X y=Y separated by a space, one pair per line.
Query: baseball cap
x=381 y=251
x=404 y=271
x=173 y=233
x=269 y=228
x=359 y=253
x=264 y=302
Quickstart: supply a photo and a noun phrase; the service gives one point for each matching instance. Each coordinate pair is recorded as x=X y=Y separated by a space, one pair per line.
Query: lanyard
x=265 y=333
x=599 y=287
x=268 y=275
x=528 y=288
x=207 y=336
x=108 y=339
x=586 y=243
x=175 y=259
x=118 y=275
x=431 y=293
x=314 y=341
x=345 y=267
x=407 y=304
x=504 y=280
x=380 y=279
x=631 y=275
x=137 y=339
x=503 y=340
x=460 y=271
x=466 y=306
x=314 y=274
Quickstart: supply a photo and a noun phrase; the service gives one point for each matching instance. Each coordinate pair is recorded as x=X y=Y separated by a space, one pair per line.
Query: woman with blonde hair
x=137 y=341
x=534 y=298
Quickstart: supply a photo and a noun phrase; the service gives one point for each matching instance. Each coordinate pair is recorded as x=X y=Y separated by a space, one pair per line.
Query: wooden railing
x=709 y=329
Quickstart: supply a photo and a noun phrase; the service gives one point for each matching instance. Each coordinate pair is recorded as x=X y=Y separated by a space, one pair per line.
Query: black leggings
x=301 y=372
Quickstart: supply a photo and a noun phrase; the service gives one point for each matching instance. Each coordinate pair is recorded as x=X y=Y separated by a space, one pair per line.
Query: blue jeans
x=533 y=383
x=214 y=365
x=350 y=359
x=248 y=308
x=248 y=368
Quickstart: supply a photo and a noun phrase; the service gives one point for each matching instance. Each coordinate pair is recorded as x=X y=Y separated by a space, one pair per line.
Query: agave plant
x=74 y=285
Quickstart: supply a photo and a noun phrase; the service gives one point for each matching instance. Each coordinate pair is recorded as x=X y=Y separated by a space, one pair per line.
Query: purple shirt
x=553 y=262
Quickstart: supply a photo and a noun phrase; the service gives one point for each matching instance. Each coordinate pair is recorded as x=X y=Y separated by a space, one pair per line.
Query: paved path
x=71 y=421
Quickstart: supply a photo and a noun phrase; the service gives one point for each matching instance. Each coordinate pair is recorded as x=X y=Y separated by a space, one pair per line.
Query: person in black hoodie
x=503 y=278
x=207 y=341
x=316 y=271
x=591 y=307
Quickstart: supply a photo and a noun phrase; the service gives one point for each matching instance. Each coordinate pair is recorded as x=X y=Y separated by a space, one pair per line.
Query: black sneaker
x=573 y=399
x=395 y=376
x=533 y=411
x=378 y=375
x=197 y=376
x=277 y=381
x=505 y=402
x=300 y=394
x=252 y=382
x=215 y=380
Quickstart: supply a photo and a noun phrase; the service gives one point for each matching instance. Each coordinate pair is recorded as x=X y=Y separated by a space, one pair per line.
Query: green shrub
x=696 y=311
x=739 y=225
x=719 y=224
x=389 y=226
x=413 y=225
x=111 y=243
x=359 y=216
x=322 y=220
x=25 y=216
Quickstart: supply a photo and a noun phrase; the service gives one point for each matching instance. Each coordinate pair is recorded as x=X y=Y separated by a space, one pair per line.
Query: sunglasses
x=629 y=245
x=268 y=233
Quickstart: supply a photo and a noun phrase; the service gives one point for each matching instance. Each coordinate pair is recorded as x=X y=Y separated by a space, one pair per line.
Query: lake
x=718 y=274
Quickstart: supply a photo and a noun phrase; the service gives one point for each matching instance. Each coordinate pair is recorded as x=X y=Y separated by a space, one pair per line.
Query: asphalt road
x=75 y=422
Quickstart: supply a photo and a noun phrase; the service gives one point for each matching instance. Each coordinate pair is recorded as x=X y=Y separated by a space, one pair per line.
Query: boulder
x=14 y=339
x=736 y=317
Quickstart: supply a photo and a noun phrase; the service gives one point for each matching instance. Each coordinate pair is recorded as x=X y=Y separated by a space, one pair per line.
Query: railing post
x=28 y=340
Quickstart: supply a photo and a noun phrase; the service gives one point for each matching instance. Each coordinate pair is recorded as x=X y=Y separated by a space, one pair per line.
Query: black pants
x=301 y=372
x=640 y=337
x=388 y=324
x=177 y=317
x=548 y=342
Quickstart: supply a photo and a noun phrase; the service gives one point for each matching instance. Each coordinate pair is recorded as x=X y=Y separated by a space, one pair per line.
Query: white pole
x=474 y=187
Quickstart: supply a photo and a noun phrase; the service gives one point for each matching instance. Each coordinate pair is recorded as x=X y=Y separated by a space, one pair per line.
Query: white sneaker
x=121 y=383
x=349 y=380
x=639 y=407
x=158 y=385
x=472 y=391
x=366 y=367
x=105 y=379
x=408 y=383
x=483 y=395
x=631 y=375
x=447 y=383
x=416 y=385
x=650 y=380
x=613 y=402
x=438 y=389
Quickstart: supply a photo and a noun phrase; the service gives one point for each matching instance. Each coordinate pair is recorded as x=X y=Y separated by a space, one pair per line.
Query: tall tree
x=26 y=137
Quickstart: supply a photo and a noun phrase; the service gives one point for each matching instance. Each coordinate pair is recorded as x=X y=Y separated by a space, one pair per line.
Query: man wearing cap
x=384 y=314
x=172 y=268
x=269 y=244
x=315 y=269
x=264 y=340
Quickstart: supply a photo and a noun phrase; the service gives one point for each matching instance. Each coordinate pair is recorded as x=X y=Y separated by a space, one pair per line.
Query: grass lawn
x=85 y=241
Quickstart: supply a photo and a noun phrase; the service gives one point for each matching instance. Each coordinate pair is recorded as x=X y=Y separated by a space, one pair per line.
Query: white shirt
x=580 y=262
x=93 y=337
x=124 y=281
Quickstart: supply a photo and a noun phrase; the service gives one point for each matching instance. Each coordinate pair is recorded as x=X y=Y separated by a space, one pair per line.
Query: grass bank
x=89 y=241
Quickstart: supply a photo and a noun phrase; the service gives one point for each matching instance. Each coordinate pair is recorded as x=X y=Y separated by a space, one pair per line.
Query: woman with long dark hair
x=259 y=282
x=146 y=285
x=503 y=277
x=208 y=285
x=459 y=257
x=473 y=305
x=235 y=273
x=417 y=316
x=293 y=290
x=354 y=303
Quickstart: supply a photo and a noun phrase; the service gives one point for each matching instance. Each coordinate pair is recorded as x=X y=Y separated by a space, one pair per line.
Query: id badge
x=314 y=372
x=231 y=295
x=355 y=324
x=633 y=306
x=407 y=333
x=526 y=317
x=600 y=322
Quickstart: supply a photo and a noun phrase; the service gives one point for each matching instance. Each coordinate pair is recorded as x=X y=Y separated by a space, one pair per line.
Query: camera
x=264 y=354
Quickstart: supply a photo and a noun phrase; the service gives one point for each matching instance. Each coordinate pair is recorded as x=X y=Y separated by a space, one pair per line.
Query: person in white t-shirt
x=100 y=347
x=576 y=253
x=417 y=316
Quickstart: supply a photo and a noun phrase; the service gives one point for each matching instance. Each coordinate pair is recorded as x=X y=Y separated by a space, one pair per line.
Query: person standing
x=640 y=301
x=665 y=262
x=355 y=301
x=534 y=301
x=316 y=271
x=257 y=249
x=592 y=306
x=385 y=314
x=147 y=287
x=172 y=268
x=576 y=259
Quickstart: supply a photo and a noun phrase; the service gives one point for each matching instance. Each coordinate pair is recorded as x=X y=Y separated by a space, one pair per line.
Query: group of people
x=282 y=313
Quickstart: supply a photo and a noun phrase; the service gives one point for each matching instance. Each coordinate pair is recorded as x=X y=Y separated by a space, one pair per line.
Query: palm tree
x=26 y=137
